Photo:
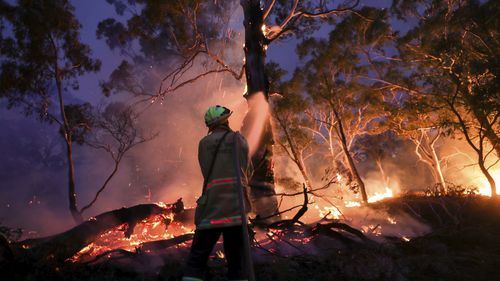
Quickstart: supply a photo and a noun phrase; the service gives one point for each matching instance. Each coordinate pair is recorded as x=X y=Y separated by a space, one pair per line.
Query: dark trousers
x=203 y=243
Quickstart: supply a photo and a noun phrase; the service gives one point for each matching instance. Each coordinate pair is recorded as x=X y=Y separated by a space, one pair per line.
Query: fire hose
x=241 y=199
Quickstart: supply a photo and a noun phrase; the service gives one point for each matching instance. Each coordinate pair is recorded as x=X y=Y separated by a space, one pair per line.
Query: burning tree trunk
x=262 y=181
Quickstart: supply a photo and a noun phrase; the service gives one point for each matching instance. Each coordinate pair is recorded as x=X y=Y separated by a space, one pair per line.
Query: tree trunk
x=378 y=161
x=296 y=156
x=437 y=170
x=77 y=216
x=478 y=150
x=488 y=130
x=350 y=161
x=66 y=131
x=426 y=152
x=262 y=181
x=488 y=176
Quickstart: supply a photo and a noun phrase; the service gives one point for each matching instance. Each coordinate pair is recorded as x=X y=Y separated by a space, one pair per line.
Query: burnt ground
x=464 y=244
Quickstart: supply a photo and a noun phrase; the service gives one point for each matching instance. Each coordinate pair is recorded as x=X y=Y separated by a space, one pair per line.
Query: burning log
x=143 y=247
x=60 y=247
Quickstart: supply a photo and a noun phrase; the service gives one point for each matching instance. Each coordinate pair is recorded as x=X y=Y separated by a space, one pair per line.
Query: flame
x=328 y=212
x=391 y=220
x=483 y=184
x=339 y=177
x=372 y=229
x=352 y=204
x=379 y=196
x=373 y=198
x=159 y=227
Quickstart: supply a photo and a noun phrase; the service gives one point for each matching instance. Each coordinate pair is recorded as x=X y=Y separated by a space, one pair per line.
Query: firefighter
x=218 y=209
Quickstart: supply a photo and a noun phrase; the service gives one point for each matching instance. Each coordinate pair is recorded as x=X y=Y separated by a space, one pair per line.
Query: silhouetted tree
x=41 y=60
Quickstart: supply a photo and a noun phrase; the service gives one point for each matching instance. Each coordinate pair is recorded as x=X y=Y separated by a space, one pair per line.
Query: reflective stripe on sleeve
x=221 y=220
x=225 y=220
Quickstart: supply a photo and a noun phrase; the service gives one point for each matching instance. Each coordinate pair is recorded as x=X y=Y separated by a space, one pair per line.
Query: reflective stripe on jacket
x=219 y=205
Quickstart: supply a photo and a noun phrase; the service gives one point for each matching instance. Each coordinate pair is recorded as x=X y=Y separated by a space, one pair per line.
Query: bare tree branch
x=269 y=9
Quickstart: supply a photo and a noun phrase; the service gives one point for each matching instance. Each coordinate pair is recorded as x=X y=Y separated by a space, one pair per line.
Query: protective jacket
x=218 y=205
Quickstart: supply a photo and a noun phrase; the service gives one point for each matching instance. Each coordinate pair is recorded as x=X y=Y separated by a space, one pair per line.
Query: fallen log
x=60 y=247
x=163 y=244
x=111 y=254
x=326 y=229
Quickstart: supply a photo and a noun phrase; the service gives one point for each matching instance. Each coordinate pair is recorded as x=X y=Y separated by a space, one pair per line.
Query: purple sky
x=91 y=12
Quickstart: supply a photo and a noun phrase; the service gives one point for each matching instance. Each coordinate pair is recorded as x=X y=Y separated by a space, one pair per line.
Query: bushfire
x=165 y=227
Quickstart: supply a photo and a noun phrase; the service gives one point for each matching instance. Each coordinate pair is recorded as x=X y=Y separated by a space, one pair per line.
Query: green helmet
x=217 y=115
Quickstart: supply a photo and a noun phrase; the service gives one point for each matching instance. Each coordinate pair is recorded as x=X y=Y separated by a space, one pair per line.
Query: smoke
x=168 y=165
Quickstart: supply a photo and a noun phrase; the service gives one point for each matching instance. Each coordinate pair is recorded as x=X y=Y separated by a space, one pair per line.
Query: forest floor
x=464 y=244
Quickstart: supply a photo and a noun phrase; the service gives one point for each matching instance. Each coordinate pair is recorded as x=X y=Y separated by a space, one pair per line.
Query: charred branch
x=327 y=229
x=296 y=218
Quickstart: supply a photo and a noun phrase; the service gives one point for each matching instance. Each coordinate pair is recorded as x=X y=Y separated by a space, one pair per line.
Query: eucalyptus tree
x=451 y=65
x=335 y=74
x=41 y=58
x=292 y=134
x=183 y=35
x=426 y=136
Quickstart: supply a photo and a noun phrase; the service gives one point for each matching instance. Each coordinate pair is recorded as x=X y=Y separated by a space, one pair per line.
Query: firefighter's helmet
x=216 y=115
